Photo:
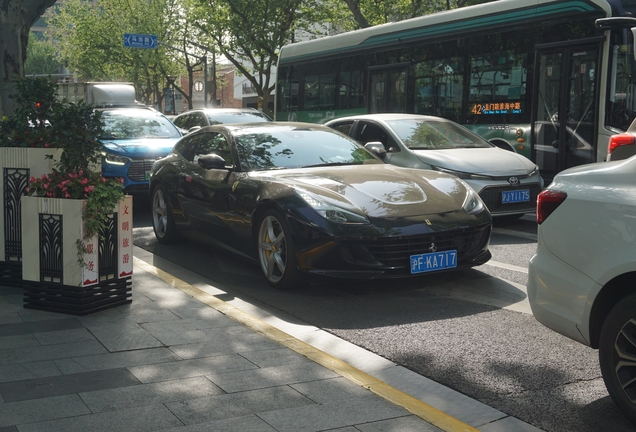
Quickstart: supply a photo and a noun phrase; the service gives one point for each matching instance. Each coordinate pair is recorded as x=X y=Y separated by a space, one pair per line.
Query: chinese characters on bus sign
x=497 y=108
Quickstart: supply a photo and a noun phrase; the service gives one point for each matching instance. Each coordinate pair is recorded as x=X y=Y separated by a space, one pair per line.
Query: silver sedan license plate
x=516 y=196
x=433 y=261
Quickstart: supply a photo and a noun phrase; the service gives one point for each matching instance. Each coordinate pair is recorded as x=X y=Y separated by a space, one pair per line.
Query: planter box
x=18 y=165
x=53 y=279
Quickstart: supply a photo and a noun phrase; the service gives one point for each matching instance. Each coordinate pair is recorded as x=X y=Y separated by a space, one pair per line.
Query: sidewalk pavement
x=181 y=359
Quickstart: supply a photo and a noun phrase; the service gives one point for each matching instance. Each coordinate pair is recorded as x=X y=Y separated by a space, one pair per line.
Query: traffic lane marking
x=423 y=410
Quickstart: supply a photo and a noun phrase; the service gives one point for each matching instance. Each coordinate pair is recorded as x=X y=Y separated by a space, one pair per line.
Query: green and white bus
x=551 y=80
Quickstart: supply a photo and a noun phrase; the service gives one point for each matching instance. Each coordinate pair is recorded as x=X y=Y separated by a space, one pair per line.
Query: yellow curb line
x=428 y=413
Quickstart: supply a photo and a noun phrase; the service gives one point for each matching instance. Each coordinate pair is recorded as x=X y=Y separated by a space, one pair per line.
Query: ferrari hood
x=140 y=148
x=380 y=190
x=485 y=161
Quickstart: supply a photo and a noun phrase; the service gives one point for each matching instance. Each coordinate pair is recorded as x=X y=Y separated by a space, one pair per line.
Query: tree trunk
x=16 y=19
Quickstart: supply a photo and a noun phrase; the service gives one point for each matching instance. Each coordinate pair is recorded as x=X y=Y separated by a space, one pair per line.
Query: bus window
x=351 y=92
x=320 y=91
x=497 y=83
x=439 y=88
x=621 y=103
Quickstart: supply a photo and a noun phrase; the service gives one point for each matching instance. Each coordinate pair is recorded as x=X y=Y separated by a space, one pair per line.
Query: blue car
x=134 y=138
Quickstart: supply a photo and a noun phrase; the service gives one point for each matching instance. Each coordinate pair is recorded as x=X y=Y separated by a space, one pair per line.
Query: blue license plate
x=516 y=196
x=433 y=261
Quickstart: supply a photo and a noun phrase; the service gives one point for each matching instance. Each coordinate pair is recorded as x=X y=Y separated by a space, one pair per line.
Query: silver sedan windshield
x=417 y=134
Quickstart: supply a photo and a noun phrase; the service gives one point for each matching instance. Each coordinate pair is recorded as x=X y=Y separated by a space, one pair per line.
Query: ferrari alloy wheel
x=276 y=251
x=617 y=355
x=162 y=221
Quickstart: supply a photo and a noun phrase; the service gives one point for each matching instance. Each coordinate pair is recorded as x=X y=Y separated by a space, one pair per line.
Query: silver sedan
x=506 y=181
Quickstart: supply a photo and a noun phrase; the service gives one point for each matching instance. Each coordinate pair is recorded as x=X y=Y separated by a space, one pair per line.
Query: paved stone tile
x=270 y=377
x=25 y=371
x=7 y=317
x=41 y=409
x=18 y=341
x=115 y=317
x=118 y=337
x=66 y=384
x=190 y=368
x=508 y=424
x=24 y=328
x=329 y=390
x=194 y=331
x=116 y=360
x=346 y=412
x=275 y=357
x=401 y=424
x=239 y=424
x=237 y=404
x=50 y=352
x=228 y=340
x=200 y=312
x=143 y=419
x=63 y=336
x=149 y=394
x=187 y=331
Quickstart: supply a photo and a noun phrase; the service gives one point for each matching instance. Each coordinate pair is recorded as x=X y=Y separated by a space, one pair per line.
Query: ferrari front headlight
x=331 y=212
x=472 y=203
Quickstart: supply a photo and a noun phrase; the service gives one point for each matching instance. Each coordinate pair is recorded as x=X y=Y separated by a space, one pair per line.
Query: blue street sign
x=140 y=40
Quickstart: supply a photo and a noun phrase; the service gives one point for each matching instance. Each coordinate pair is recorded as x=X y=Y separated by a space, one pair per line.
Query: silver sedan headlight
x=331 y=212
x=460 y=174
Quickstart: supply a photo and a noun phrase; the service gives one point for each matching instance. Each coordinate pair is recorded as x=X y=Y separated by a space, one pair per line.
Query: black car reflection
x=304 y=198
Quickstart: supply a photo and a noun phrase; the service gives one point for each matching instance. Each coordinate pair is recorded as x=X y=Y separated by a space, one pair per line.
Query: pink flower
x=44 y=177
x=67 y=195
x=47 y=145
x=84 y=181
x=32 y=179
x=46 y=185
x=27 y=189
x=91 y=188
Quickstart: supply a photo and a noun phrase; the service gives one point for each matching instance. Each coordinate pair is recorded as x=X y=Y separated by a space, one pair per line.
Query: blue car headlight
x=331 y=212
x=114 y=159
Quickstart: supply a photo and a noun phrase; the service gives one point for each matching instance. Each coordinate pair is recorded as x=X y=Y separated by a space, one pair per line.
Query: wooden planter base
x=11 y=273
x=75 y=300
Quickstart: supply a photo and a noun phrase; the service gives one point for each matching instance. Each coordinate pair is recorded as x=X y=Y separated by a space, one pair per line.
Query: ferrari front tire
x=276 y=251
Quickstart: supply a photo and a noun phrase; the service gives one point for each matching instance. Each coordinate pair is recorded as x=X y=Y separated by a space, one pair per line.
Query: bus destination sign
x=497 y=108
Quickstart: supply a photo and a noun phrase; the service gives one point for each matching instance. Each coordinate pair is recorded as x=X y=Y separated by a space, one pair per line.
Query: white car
x=582 y=279
x=506 y=181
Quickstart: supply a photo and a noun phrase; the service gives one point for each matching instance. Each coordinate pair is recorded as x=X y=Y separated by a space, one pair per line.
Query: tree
x=90 y=37
x=41 y=57
x=368 y=13
x=249 y=33
x=16 y=18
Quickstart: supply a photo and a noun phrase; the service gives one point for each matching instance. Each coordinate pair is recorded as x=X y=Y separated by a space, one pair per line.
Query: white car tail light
x=616 y=141
x=547 y=202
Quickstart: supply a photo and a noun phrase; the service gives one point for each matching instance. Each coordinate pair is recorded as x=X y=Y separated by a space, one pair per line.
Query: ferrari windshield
x=298 y=148
x=431 y=134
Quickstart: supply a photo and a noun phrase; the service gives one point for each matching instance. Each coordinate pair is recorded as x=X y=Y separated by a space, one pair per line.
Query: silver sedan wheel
x=272 y=249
